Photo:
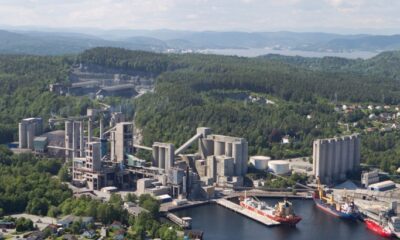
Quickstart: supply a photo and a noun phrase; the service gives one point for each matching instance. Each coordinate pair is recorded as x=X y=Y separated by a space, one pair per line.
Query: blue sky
x=373 y=16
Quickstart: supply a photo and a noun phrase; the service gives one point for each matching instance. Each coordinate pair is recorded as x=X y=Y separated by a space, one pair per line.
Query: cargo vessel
x=378 y=228
x=394 y=226
x=345 y=209
x=282 y=212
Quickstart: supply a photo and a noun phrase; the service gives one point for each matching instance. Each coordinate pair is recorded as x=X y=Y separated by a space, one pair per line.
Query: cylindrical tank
x=279 y=166
x=260 y=162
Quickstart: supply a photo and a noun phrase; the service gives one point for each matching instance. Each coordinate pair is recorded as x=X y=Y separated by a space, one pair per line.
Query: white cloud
x=252 y=15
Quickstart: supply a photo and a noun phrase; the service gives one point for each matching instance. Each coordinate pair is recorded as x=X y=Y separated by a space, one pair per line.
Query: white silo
x=260 y=162
x=279 y=166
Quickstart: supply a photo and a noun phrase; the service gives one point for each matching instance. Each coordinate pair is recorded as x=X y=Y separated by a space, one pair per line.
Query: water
x=254 y=52
x=219 y=223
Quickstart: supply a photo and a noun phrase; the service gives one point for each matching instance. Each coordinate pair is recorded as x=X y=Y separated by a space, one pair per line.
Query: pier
x=184 y=222
x=239 y=209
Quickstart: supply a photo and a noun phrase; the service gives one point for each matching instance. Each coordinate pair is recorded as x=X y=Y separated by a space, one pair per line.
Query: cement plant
x=207 y=168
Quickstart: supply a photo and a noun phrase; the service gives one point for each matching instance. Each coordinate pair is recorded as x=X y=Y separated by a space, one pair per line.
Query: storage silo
x=279 y=166
x=260 y=162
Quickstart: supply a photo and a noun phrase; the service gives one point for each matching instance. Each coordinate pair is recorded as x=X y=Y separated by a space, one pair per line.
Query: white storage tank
x=279 y=166
x=260 y=162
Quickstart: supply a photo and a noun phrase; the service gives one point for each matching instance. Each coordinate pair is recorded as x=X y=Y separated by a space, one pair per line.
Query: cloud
x=250 y=15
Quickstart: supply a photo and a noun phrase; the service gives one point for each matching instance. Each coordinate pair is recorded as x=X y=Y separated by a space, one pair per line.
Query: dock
x=239 y=209
x=184 y=222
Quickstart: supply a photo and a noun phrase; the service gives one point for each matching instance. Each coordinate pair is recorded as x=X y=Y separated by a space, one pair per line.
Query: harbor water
x=219 y=223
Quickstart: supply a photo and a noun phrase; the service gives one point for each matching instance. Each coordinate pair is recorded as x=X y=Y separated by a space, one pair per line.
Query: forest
x=24 y=82
x=195 y=90
x=27 y=184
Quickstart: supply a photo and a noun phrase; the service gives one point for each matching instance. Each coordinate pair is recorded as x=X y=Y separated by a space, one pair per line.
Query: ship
x=282 y=212
x=394 y=226
x=378 y=228
x=345 y=209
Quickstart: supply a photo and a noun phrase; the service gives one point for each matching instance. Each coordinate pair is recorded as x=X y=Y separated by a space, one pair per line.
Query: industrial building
x=121 y=141
x=368 y=178
x=334 y=158
x=28 y=129
x=382 y=186
x=163 y=155
x=108 y=160
x=74 y=139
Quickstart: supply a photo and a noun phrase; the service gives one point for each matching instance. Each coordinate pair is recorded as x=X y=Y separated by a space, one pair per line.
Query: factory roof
x=338 y=137
x=42 y=139
x=278 y=162
x=119 y=87
x=85 y=83
x=164 y=197
x=346 y=185
x=261 y=157
x=382 y=184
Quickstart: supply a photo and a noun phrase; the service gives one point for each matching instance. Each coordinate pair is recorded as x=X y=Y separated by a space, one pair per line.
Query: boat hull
x=377 y=229
x=332 y=211
x=292 y=221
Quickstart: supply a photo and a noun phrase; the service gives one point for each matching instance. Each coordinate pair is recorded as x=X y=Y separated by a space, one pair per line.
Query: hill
x=59 y=42
x=384 y=65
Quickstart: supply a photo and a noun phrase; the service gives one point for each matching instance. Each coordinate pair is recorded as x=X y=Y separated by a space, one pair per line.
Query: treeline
x=382 y=67
x=382 y=150
x=27 y=184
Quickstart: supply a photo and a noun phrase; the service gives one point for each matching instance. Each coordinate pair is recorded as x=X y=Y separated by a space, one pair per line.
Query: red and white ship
x=282 y=212
x=378 y=228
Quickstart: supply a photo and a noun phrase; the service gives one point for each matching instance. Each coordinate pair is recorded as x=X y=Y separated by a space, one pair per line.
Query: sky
x=342 y=16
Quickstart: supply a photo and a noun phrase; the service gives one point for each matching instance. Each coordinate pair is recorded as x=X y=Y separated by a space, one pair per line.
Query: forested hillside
x=381 y=67
x=195 y=90
x=24 y=91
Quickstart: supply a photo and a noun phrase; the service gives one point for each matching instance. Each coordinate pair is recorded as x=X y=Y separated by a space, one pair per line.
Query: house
x=103 y=232
x=89 y=234
x=53 y=229
x=66 y=221
x=7 y=224
x=69 y=237
x=116 y=225
x=372 y=116
x=386 y=129
x=385 y=116
x=285 y=140
x=36 y=235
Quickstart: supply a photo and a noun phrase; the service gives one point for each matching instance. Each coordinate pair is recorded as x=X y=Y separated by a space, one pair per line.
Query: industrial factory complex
x=108 y=160
x=102 y=148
